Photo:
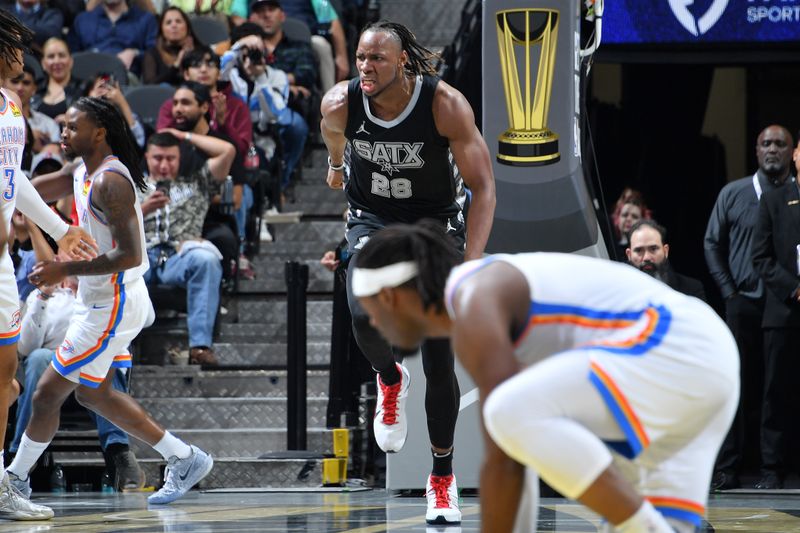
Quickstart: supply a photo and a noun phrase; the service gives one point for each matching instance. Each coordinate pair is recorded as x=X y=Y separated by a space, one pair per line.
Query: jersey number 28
x=390 y=188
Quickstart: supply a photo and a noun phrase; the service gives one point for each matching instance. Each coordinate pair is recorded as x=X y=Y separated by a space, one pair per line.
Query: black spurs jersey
x=400 y=170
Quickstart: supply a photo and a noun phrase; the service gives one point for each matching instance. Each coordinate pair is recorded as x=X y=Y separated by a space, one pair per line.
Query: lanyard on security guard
x=757 y=185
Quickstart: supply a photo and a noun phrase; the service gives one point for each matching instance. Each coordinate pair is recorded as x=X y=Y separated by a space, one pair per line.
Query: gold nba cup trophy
x=528 y=141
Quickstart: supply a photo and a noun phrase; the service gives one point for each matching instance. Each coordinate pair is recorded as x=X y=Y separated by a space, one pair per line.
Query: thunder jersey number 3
x=8 y=194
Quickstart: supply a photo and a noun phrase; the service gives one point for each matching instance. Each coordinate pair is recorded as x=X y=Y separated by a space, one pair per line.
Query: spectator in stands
x=190 y=109
x=227 y=11
x=174 y=211
x=228 y=113
x=60 y=88
x=628 y=210
x=44 y=21
x=293 y=57
x=229 y=120
x=326 y=28
x=48 y=311
x=115 y=28
x=266 y=90
x=728 y=242
x=105 y=86
x=649 y=252
x=162 y=63
x=45 y=130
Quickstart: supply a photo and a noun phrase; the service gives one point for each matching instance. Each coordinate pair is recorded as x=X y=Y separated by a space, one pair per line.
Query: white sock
x=172 y=446
x=645 y=520
x=28 y=453
x=2 y=460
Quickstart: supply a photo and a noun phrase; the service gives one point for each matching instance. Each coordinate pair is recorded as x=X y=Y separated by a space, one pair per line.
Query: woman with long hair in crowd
x=161 y=64
x=60 y=87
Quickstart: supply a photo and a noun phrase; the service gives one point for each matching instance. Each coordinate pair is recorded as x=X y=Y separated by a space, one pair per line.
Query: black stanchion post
x=296 y=284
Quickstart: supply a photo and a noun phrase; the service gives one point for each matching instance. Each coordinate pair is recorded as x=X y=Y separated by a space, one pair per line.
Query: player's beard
x=659 y=271
x=188 y=124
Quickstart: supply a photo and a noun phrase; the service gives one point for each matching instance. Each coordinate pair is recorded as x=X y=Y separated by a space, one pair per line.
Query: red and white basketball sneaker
x=442 y=494
x=391 y=423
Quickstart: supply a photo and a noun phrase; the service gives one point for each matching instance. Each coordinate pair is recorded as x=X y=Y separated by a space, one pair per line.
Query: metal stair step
x=253 y=332
x=272 y=311
x=235 y=442
x=274 y=286
x=192 y=382
x=286 y=250
x=268 y=354
x=228 y=472
x=326 y=233
x=274 y=332
x=230 y=413
x=240 y=442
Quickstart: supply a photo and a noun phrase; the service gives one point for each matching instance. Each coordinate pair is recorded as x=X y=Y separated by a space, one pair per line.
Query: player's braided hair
x=427 y=244
x=118 y=134
x=420 y=59
x=14 y=36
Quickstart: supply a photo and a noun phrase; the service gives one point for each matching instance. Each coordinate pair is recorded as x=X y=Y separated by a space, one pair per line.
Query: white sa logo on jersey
x=391 y=156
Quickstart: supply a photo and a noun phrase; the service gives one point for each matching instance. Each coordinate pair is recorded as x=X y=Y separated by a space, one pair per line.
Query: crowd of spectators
x=240 y=114
x=233 y=132
x=753 y=256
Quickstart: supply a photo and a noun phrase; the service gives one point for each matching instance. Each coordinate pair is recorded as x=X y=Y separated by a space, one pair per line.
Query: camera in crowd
x=163 y=186
x=255 y=55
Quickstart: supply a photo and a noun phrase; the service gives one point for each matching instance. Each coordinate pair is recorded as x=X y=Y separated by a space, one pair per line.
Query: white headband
x=370 y=281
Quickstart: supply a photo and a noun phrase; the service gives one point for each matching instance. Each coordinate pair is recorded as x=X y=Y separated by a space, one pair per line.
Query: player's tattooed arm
x=113 y=198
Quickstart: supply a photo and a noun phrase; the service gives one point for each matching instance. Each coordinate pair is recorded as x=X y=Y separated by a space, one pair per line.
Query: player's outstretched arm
x=71 y=239
x=55 y=185
x=455 y=120
x=332 y=126
x=487 y=306
x=114 y=197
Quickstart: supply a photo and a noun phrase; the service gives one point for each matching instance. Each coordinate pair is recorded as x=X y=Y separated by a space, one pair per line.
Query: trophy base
x=528 y=148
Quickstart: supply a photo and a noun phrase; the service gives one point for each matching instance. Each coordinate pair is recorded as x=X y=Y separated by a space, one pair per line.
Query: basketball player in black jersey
x=403 y=145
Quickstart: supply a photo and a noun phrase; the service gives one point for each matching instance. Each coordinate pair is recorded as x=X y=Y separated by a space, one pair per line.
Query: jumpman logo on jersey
x=362 y=129
x=450 y=228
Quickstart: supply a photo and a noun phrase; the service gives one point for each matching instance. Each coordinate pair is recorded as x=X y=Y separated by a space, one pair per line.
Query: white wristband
x=335 y=168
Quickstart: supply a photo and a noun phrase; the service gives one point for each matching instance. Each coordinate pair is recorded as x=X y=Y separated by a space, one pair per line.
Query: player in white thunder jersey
x=113 y=304
x=573 y=357
x=17 y=192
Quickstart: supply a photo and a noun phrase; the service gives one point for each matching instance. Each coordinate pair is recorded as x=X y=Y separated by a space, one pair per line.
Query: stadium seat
x=210 y=30
x=146 y=100
x=296 y=30
x=87 y=64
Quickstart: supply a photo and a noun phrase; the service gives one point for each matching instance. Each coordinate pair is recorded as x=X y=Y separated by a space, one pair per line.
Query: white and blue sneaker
x=182 y=475
x=23 y=486
x=15 y=506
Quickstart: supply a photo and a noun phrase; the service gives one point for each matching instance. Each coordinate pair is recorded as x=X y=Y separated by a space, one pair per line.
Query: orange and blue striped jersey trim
x=462 y=275
x=88 y=187
x=658 y=319
x=621 y=410
x=65 y=366
x=90 y=381
x=122 y=361
x=11 y=337
x=679 y=509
